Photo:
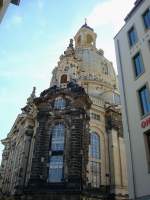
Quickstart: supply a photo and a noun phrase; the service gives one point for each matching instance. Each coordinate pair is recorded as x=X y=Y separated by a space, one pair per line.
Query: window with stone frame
x=56 y=159
x=95 y=116
x=95 y=146
x=57 y=141
x=56 y=168
x=60 y=103
x=95 y=172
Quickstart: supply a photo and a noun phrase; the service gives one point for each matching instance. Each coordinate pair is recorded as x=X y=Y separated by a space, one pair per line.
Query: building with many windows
x=4 y=4
x=132 y=45
x=68 y=143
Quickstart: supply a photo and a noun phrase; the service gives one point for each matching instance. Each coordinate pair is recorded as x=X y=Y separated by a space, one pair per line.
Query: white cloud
x=107 y=18
x=110 y=12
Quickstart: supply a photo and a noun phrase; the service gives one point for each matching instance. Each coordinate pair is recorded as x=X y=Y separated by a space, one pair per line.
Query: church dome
x=85 y=64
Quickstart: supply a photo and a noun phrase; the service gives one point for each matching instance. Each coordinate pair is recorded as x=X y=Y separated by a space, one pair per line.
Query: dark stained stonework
x=76 y=137
x=33 y=177
x=114 y=119
x=35 y=128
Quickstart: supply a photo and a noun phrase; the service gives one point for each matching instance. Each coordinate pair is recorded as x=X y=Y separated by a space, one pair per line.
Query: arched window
x=63 y=78
x=95 y=146
x=59 y=103
x=89 y=39
x=95 y=172
x=79 y=40
x=57 y=143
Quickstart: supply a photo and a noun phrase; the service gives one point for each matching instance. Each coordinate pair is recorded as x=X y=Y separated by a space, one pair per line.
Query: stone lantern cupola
x=85 y=37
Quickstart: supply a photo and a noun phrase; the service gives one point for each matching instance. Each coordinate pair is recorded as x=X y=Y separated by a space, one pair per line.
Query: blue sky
x=35 y=34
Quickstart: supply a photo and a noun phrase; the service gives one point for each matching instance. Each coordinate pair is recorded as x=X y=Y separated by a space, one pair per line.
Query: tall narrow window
x=56 y=158
x=95 y=173
x=132 y=36
x=146 y=18
x=59 y=103
x=95 y=160
x=57 y=143
x=56 y=169
x=138 y=64
x=144 y=97
x=95 y=146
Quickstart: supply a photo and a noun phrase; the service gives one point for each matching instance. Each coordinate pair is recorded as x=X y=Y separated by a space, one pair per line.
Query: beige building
x=132 y=45
x=4 y=4
x=83 y=99
x=88 y=66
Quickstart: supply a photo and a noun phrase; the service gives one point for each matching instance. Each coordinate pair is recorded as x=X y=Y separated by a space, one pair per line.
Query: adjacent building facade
x=132 y=45
x=4 y=4
x=68 y=143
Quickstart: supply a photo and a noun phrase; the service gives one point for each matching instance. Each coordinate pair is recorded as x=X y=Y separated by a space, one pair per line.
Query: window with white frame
x=144 y=97
x=132 y=34
x=138 y=64
x=146 y=18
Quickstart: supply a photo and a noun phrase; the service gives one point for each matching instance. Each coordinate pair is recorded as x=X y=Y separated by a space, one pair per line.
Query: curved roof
x=86 y=26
